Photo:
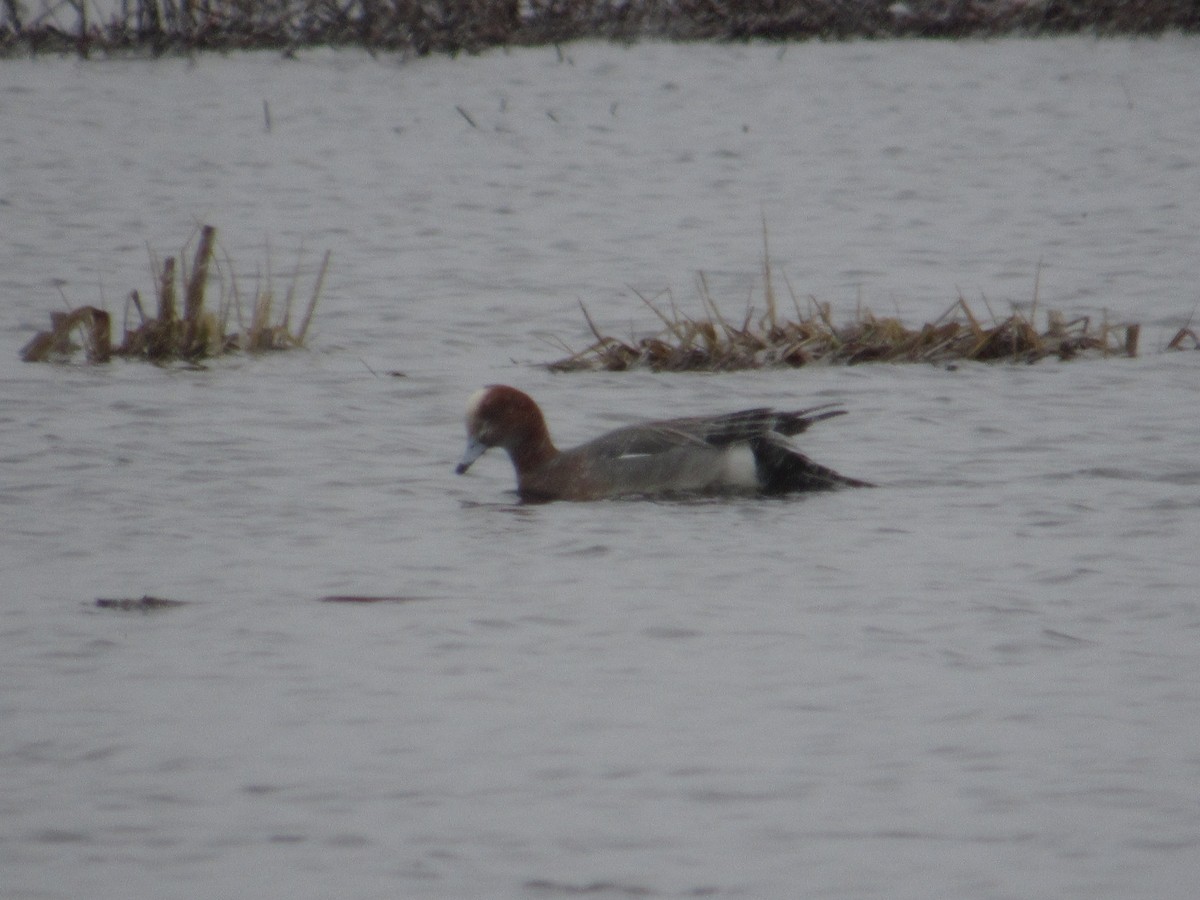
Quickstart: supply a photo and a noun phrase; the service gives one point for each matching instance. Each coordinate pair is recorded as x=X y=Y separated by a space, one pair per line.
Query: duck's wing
x=711 y=431
x=650 y=438
x=790 y=423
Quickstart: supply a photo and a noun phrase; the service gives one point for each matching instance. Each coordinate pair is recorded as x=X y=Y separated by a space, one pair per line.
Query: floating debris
x=366 y=598
x=139 y=604
x=194 y=334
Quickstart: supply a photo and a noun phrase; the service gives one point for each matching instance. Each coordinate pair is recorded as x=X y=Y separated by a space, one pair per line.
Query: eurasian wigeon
x=738 y=452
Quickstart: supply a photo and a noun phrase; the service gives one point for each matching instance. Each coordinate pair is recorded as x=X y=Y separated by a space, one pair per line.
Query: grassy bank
x=158 y=27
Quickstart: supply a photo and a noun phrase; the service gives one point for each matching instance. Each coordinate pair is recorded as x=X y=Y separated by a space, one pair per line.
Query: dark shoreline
x=182 y=27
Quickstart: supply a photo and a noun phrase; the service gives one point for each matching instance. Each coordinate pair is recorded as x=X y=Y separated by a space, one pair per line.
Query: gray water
x=977 y=680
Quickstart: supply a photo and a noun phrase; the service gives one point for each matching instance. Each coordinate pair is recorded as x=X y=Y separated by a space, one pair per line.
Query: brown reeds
x=90 y=323
x=452 y=26
x=1185 y=339
x=196 y=332
x=712 y=343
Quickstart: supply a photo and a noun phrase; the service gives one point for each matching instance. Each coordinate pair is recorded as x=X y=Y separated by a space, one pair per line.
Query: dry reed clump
x=193 y=333
x=714 y=344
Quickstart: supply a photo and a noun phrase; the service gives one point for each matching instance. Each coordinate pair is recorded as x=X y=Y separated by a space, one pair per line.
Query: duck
x=744 y=452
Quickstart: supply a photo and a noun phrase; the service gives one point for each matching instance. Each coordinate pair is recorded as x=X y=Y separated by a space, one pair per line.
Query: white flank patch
x=740 y=470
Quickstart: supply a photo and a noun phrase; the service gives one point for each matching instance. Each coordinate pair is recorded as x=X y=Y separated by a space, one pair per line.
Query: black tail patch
x=782 y=470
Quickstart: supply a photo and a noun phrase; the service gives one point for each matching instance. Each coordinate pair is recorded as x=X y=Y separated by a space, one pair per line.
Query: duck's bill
x=474 y=450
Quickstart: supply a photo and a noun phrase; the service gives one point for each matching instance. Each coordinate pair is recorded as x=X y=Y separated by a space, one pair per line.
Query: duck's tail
x=783 y=469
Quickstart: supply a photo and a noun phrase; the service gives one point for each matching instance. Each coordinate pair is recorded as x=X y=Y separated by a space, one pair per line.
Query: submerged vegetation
x=451 y=26
x=193 y=333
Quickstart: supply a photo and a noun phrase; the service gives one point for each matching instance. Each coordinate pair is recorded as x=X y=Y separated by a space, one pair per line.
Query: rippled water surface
x=978 y=680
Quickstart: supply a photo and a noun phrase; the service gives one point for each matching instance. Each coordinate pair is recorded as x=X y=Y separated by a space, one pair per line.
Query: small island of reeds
x=192 y=333
x=711 y=342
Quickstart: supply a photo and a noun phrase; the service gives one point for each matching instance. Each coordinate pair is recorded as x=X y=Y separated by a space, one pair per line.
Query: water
x=977 y=680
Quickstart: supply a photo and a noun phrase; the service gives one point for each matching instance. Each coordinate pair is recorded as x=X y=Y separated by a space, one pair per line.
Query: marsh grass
x=196 y=331
x=712 y=342
x=1185 y=339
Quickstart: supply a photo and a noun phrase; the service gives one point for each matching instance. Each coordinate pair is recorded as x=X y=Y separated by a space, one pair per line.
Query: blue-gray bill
x=475 y=449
